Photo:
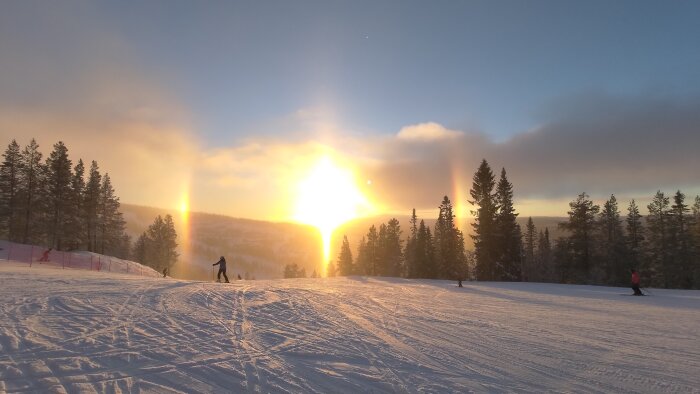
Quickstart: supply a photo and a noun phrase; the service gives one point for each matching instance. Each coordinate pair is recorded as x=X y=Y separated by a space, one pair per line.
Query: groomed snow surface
x=82 y=331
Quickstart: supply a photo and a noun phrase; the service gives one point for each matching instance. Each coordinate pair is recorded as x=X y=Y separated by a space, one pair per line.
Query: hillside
x=256 y=247
x=78 y=331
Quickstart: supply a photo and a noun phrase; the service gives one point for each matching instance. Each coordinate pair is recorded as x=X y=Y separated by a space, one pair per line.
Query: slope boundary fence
x=39 y=256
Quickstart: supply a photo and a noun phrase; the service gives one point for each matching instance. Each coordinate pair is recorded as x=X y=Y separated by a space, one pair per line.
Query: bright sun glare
x=327 y=198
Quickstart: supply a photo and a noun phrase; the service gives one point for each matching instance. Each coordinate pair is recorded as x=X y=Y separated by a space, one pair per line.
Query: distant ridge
x=256 y=247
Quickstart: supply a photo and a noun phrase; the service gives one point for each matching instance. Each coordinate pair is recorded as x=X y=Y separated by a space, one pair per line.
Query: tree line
x=598 y=245
x=56 y=204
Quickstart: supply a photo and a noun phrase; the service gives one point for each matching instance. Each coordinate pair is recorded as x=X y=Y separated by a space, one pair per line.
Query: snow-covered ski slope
x=82 y=331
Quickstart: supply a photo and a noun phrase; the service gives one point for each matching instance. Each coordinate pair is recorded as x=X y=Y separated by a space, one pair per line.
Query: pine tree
x=530 y=264
x=111 y=224
x=32 y=187
x=75 y=231
x=485 y=247
x=161 y=250
x=680 y=269
x=411 y=264
x=91 y=201
x=10 y=192
x=372 y=251
x=543 y=269
x=449 y=243
x=142 y=247
x=696 y=242
x=425 y=253
x=363 y=259
x=380 y=267
x=331 y=270
x=612 y=245
x=581 y=227
x=345 y=264
x=392 y=244
x=508 y=234
x=58 y=178
x=635 y=235
x=657 y=234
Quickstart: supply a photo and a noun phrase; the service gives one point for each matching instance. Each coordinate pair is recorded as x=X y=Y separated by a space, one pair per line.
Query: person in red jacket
x=635 y=283
x=45 y=255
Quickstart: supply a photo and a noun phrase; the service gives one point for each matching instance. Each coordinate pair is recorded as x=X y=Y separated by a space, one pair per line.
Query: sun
x=327 y=198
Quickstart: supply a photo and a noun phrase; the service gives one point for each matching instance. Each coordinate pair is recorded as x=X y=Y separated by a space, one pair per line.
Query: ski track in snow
x=79 y=331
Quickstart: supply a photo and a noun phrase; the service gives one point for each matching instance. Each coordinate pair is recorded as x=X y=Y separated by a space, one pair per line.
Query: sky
x=229 y=105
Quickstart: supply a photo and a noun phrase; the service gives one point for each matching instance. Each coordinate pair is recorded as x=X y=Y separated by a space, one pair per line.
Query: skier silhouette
x=45 y=255
x=222 y=269
x=635 y=283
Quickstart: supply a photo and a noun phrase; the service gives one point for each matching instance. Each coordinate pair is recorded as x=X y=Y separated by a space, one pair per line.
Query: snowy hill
x=83 y=331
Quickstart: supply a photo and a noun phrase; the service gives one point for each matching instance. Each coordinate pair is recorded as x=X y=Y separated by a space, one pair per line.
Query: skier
x=165 y=272
x=635 y=283
x=222 y=269
x=45 y=255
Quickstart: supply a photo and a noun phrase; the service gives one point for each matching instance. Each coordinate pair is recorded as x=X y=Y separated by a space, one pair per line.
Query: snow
x=86 y=331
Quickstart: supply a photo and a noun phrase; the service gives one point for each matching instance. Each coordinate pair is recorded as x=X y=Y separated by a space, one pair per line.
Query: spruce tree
x=345 y=264
x=530 y=240
x=142 y=248
x=380 y=266
x=10 y=192
x=372 y=249
x=161 y=243
x=91 y=201
x=581 y=229
x=75 y=232
x=449 y=243
x=657 y=240
x=32 y=187
x=425 y=253
x=411 y=265
x=614 y=264
x=331 y=271
x=635 y=236
x=696 y=242
x=680 y=269
x=393 y=256
x=362 y=262
x=543 y=269
x=485 y=247
x=58 y=178
x=508 y=234
x=111 y=224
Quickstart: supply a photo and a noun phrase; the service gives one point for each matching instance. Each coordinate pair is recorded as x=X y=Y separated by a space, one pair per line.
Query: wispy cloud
x=430 y=131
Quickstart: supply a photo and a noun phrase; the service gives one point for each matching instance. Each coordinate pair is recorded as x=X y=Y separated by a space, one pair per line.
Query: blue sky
x=491 y=66
x=221 y=99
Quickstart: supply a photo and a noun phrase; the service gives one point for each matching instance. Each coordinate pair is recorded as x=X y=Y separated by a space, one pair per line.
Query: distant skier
x=45 y=255
x=165 y=272
x=222 y=269
x=239 y=276
x=635 y=283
